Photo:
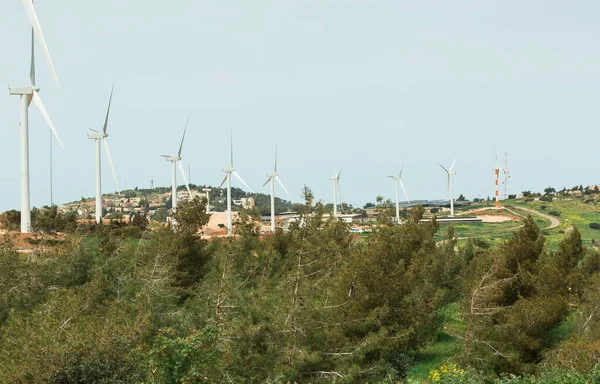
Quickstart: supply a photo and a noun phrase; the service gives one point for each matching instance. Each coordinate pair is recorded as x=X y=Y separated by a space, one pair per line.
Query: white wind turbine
x=227 y=178
x=271 y=178
x=176 y=163
x=398 y=180
x=336 y=189
x=207 y=190
x=450 y=178
x=28 y=94
x=101 y=137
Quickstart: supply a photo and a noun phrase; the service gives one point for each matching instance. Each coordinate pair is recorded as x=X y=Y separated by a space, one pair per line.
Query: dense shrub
x=554 y=213
x=594 y=225
x=547 y=199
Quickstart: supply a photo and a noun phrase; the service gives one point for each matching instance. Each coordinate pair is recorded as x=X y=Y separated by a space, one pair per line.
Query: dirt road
x=554 y=222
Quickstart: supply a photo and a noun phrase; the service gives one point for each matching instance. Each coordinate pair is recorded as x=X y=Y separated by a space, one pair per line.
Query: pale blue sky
x=359 y=84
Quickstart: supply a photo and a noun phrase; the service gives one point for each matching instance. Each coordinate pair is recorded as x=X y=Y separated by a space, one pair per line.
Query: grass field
x=448 y=343
x=577 y=211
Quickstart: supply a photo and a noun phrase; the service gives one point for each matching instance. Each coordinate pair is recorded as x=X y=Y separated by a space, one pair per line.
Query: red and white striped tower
x=497 y=174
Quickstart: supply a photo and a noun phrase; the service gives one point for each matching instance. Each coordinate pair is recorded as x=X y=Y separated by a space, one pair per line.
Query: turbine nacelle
x=23 y=90
x=171 y=158
x=95 y=135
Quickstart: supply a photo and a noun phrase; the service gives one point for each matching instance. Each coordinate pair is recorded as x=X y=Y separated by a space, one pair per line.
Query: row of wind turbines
x=30 y=93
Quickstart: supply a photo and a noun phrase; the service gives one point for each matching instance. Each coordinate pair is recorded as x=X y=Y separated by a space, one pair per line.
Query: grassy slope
x=448 y=344
x=574 y=211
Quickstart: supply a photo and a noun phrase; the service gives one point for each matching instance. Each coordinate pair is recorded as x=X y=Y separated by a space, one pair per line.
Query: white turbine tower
x=228 y=172
x=101 y=137
x=271 y=178
x=336 y=189
x=176 y=163
x=398 y=180
x=207 y=190
x=28 y=94
x=450 y=185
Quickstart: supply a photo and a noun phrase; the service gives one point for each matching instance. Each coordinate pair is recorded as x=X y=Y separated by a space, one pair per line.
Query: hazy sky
x=360 y=84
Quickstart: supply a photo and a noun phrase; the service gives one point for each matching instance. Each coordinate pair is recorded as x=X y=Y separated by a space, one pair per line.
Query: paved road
x=554 y=222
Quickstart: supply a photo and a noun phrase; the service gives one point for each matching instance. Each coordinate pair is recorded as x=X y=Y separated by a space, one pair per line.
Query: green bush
x=194 y=358
x=594 y=225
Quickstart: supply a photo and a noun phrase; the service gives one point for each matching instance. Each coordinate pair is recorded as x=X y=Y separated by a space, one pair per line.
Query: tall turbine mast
x=398 y=180
x=207 y=190
x=272 y=177
x=450 y=185
x=28 y=94
x=176 y=163
x=228 y=172
x=336 y=189
x=100 y=138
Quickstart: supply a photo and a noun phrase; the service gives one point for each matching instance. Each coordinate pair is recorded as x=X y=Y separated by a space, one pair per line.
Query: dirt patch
x=28 y=242
x=495 y=218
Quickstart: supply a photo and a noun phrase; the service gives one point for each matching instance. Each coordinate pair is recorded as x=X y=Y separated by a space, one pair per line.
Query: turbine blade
x=242 y=181
x=282 y=186
x=275 y=157
x=231 y=146
x=38 y=102
x=35 y=23
x=404 y=190
x=110 y=162
x=32 y=69
x=452 y=166
x=340 y=173
x=448 y=181
x=402 y=168
x=266 y=182
x=183 y=137
x=108 y=110
x=187 y=185
x=443 y=167
x=223 y=182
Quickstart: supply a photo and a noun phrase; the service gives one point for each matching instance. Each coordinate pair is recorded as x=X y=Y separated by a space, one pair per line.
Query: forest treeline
x=311 y=304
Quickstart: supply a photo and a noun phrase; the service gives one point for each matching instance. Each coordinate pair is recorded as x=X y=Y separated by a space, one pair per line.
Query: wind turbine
x=176 y=163
x=271 y=178
x=450 y=178
x=228 y=172
x=101 y=137
x=207 y=190
x=336 y=189
x=29 y=93
x=398 y=180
